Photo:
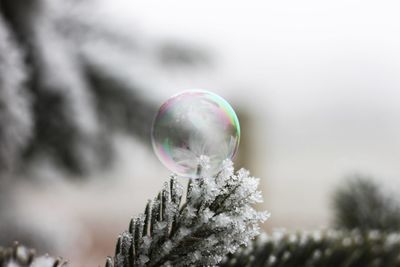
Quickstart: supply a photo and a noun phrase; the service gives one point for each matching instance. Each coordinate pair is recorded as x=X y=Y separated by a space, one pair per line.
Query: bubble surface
x=194 y=132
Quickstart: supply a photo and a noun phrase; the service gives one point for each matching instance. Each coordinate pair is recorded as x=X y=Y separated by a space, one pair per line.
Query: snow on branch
x=215 y=218
x=323 y=248
x=20 y=256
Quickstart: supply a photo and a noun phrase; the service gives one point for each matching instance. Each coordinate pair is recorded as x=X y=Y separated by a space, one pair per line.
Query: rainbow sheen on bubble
x=194 y=132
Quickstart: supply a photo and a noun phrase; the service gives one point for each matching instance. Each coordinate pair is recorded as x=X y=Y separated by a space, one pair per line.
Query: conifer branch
x=370 y=220
x=215 y=219
x=332 y=248
x=20 y=256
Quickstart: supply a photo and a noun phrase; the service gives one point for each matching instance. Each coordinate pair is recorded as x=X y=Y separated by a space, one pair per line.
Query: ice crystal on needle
x=20 y=256
x=215 y=218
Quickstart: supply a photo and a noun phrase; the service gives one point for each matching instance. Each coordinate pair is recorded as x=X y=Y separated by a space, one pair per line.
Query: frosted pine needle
x=20 y=256
x=328 y=248
x=215 y=219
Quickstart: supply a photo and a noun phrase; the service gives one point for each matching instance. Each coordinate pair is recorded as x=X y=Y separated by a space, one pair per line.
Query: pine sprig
x=20 y=256
x=331 y=248
x=215 y=218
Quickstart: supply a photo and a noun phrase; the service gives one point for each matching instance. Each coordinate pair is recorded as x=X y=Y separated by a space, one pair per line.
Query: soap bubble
x=194 y=132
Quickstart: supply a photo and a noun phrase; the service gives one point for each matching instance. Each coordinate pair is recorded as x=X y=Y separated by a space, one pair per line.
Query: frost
x=42 y=261
x=20 y=256
x=216 y=218
x=271 y=259
x=196 y=256
x=319 y=248
x=143 y=259
x=167 y=246
x=146 y=241
x=15 y=103
x=317 y=254
x=204 y=162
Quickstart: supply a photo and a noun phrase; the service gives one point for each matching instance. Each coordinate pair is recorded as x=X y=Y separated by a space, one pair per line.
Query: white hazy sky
x=321 y=80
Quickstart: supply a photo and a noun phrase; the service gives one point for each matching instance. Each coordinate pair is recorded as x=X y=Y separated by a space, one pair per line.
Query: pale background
x=320 y=79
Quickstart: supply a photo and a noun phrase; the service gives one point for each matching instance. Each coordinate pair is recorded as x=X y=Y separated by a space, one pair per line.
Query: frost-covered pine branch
x=64 y=85
x=215 y=218
x=15 y=118
x=370 y=236
x=331 y=248
x=70 y=84
x=20 y=256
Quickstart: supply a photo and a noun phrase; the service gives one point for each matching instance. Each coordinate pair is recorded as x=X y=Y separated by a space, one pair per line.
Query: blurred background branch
x=366 y=233
x=62 y=98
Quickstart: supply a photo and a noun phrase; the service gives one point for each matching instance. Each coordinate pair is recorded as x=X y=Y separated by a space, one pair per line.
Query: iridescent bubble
x=194 y=132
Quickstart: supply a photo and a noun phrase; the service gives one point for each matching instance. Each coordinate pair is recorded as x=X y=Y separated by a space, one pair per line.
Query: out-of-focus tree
x=366 y=234
x=61 y=95
x=362 y=203
x=63 y=90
